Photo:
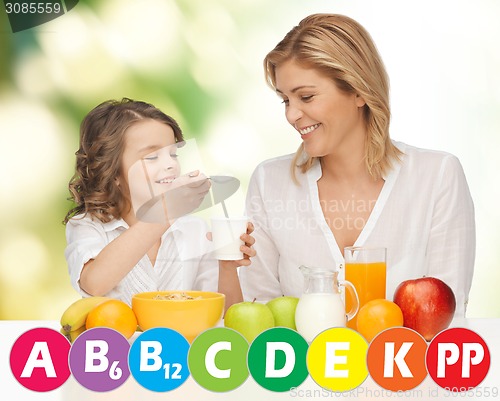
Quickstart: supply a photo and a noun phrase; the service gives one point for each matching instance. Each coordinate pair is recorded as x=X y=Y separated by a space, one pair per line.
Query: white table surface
x=10 y=330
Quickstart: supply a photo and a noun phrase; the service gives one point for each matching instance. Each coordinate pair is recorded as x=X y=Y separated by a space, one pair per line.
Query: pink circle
x=39 y=359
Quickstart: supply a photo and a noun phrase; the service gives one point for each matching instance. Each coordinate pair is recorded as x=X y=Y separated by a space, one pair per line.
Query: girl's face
x=149 y=160
x=329 y=120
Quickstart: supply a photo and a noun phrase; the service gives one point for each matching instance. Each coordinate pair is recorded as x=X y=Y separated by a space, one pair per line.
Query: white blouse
x=424 y=216
x=184 y=260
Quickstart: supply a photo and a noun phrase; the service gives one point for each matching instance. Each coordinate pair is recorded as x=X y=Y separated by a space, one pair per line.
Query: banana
x=75 y=315
x=72 y=335
x=75 y=333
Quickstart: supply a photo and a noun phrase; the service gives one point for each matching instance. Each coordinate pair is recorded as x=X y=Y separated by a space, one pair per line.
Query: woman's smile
x=306 y=131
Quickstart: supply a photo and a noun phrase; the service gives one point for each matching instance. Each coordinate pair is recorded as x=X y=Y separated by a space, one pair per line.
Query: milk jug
x=320 y=307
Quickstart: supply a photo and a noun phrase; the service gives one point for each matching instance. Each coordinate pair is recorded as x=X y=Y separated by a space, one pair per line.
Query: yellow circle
x=336 y=359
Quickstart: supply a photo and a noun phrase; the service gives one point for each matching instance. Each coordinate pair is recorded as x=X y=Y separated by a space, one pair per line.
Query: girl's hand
x=229 y=283
x=186 y=194
x=247 y=249
x=183 y=196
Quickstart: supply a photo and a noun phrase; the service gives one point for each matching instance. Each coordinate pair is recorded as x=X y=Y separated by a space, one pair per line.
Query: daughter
x=110 y=251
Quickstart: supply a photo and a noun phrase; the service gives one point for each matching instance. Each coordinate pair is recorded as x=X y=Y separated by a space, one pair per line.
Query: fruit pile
x=87 y=313
x=426 y=305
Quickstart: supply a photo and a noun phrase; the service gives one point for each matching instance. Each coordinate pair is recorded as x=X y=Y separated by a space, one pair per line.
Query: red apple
x=428 y=305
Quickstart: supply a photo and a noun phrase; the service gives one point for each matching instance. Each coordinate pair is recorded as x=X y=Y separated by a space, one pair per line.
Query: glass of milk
x=321 y=307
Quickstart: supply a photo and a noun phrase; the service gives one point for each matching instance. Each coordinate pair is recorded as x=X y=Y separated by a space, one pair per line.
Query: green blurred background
x=201 y=62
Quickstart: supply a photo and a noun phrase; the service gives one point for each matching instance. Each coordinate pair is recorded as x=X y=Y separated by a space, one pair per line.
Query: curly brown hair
x=98 y=160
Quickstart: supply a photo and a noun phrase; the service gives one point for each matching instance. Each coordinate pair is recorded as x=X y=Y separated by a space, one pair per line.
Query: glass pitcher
x=320 y=307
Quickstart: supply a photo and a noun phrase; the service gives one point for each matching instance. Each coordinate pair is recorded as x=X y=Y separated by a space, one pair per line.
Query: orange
x=114 y=314
x=376 y=316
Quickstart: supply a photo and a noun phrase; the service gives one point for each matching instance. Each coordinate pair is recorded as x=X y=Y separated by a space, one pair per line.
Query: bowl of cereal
x=187 y=312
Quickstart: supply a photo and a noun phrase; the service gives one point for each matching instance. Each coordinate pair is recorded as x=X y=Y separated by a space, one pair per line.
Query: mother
x=349 y=183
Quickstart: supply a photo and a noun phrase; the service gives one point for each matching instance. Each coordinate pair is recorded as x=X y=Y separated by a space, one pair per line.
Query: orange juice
x=369 y=280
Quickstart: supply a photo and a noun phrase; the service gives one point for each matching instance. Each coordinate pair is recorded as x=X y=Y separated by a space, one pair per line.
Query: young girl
x=110 y=251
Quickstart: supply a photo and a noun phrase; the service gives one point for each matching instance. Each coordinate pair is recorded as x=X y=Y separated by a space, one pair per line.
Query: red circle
x=39 y=359
x=458 y=359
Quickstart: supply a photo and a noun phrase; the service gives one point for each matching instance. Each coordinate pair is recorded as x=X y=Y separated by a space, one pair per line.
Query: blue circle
x=158 y=359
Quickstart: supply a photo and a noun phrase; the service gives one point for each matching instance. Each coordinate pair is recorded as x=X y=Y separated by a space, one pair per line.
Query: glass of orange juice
x=365 y=268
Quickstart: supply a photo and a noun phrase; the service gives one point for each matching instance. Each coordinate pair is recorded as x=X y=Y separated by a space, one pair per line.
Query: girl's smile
x=166 y=180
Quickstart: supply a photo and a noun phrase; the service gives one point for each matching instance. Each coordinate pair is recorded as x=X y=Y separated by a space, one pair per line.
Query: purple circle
x=98 y=359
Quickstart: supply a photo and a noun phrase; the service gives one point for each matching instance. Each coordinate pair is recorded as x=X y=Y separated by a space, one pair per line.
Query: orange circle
x=114 y=314
x=396 y=359
x=376 y=316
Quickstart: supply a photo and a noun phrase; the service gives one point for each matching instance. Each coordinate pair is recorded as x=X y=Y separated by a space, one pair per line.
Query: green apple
x=283 y=309
x=249 y=318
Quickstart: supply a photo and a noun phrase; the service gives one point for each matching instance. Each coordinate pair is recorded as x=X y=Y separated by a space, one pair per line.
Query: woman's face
x=149 y=160
x=329 y=120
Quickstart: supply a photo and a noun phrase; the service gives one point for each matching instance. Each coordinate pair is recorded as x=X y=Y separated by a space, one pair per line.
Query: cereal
x=181 y=296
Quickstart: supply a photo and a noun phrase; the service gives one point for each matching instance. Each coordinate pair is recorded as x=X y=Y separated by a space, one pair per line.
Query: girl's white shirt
x=184 y=262
x=424 y=216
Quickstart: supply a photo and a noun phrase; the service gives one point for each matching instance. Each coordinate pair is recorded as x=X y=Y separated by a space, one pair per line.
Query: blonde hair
x=340 y=48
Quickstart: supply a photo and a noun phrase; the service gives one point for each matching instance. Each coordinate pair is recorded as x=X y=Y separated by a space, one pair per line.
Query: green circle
x=217 y=359
x=270 y=359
